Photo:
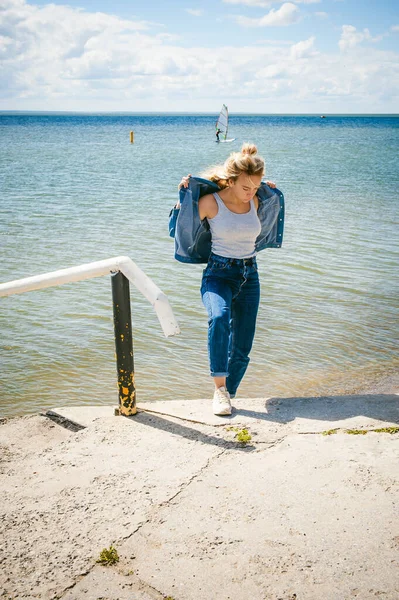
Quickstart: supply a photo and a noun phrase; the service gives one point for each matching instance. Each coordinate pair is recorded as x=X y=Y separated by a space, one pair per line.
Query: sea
x=74 y=190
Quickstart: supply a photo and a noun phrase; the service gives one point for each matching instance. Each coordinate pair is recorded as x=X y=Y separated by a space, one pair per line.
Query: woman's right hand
x=184 y=182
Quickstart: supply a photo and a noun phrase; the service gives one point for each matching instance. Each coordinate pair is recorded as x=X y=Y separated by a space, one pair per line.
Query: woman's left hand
x=184 y=182
x=271 y=184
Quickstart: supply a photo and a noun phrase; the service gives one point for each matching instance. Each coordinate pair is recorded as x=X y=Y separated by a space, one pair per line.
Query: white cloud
x=59 y=58
x=350 y=37
x=322 y=15
x=395 y=28
x=304 y=49
x=195 y=12
x=286 y=15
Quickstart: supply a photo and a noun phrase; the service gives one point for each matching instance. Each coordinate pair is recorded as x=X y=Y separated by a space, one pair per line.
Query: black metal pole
x=123 y=343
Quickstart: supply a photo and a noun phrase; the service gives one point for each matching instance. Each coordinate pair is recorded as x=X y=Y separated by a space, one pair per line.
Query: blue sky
x=300 y=56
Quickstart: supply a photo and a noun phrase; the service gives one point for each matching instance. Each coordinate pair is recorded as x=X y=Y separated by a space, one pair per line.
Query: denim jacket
x=193 y=236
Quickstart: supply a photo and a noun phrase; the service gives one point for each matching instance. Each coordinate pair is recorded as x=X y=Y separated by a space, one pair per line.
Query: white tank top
x=234 y=235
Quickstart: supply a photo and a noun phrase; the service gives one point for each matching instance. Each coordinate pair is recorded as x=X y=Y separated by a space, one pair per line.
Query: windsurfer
x=218 y=132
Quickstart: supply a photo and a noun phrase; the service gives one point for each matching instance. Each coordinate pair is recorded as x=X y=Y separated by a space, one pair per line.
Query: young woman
x=226 y=228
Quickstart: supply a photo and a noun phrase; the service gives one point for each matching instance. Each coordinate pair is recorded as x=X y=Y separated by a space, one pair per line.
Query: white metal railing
x=96 y=269
x=122 y=270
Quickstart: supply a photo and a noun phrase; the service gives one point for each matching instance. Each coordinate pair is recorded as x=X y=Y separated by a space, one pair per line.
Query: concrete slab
x=245 y=411
x=302 y=414
x=80 y=416
x=195 y=411
x=62 y=503
x=106 y=584
x=194 y=514
x=322 y=413
x=313 y=517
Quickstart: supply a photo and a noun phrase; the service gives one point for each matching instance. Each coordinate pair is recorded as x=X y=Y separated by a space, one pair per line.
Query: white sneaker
x=221 y=402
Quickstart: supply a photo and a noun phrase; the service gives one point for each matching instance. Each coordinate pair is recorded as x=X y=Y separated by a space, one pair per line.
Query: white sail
x=223 y=122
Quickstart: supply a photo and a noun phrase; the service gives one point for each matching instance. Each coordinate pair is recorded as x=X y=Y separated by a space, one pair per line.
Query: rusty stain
x=127 y=412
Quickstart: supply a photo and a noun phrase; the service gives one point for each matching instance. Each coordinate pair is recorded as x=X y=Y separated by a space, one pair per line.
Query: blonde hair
x=247 y=161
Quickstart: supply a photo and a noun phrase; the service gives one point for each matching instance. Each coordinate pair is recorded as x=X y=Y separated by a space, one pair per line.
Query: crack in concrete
x=274 y=443
x=147 y=587
x=59 y=595
x=185 y=485
x=347 y=430
x=150 y=519
x=82 y=575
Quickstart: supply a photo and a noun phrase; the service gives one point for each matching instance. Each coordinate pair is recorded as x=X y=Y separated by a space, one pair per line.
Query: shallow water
x=74 y=190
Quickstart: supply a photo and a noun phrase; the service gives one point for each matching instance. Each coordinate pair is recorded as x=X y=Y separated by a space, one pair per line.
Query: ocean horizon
x=190 y=113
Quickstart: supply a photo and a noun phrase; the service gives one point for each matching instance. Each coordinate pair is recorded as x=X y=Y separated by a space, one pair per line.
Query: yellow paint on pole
x=132 y=137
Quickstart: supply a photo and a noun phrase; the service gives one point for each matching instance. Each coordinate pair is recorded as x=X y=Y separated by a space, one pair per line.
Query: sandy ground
x=293 y=515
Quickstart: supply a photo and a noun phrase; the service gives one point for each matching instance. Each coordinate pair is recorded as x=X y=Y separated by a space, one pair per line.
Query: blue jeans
x=230 y=292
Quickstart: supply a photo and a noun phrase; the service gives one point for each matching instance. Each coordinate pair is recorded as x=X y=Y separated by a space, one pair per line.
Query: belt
x=247 y=262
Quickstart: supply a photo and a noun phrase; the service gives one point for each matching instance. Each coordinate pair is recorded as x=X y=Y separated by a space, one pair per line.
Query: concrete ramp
x=300 y=414
x=305 y=509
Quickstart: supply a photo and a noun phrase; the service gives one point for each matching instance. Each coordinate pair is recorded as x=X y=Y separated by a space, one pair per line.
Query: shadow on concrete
x=383 y=407
x=190 y=433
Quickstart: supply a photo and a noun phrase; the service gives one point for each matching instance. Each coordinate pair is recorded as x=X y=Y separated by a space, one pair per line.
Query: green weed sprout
x=243 y=436
x=108 y=557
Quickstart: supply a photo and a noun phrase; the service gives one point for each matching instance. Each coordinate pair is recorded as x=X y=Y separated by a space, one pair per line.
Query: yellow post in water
x=132 y=137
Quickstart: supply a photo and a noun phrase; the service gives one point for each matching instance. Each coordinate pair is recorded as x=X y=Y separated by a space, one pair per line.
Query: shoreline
x=386 y=384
